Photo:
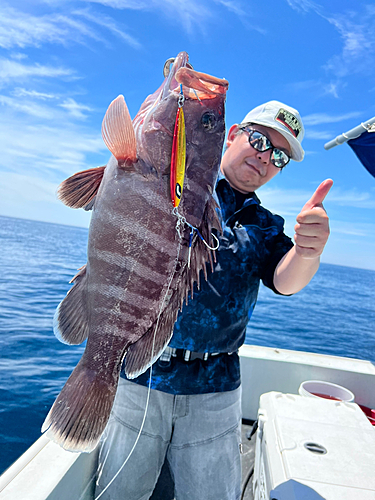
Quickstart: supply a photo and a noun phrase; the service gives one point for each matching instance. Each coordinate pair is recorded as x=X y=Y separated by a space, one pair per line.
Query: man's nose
x=264 y=156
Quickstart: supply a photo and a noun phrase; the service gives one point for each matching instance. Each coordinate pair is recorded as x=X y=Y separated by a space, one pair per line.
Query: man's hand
x=298 y=266
x=312 y=228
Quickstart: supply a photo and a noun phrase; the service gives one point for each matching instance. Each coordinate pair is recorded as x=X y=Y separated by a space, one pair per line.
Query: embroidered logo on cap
x=289 y=121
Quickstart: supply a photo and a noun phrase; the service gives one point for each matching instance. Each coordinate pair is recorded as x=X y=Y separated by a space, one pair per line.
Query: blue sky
x=62 y=62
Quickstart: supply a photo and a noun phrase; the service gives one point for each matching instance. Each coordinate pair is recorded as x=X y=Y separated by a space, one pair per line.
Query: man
x=194 y=409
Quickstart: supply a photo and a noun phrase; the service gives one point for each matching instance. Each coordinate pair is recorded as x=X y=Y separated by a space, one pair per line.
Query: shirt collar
x=227 y=199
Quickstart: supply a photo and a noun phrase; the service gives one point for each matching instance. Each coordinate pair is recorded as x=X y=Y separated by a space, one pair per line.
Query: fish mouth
x=196 y=85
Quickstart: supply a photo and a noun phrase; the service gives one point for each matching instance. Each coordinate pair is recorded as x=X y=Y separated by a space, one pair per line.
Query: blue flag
x=364 y=147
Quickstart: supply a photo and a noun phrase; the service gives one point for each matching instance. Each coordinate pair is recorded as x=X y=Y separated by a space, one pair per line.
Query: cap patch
x=289 y=121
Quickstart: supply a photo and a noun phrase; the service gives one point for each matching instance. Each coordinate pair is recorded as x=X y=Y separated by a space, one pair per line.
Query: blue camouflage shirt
x=251 y=246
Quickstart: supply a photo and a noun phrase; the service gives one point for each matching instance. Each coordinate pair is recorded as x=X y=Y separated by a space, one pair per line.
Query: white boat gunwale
x=47 y=472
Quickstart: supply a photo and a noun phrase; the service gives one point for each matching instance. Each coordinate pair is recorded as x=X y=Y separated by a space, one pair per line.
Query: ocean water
x=334 y=315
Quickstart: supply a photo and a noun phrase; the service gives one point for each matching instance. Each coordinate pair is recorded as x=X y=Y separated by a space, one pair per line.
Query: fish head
x=202 y=98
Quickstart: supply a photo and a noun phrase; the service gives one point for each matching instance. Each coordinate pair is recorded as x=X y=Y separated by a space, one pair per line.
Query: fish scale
x=126 y=299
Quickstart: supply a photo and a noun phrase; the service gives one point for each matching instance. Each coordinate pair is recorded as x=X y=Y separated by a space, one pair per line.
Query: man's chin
x=244 y=187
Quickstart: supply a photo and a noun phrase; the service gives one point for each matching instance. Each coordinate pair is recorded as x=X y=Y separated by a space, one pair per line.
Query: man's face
x=245 y=168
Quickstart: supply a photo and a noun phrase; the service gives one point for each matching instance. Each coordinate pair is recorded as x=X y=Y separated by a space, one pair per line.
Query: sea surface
x=334 y=314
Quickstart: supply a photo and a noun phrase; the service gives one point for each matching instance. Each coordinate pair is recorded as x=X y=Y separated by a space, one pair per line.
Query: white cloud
x=242 y=12
x=49 y=150
x=187 y=13
x=20 y=92
x=323 y=118
x=352 y=198
x=319 y=118
x=15 y=71
x=305 y=85
x=43 y=106
x=347 y=248
x=20 y=29
x=303 y=5
x=110 y=25
x=190 y=13
x=233 y=6
x=356 y=29
x=27 y=196
x=27 y=107
x=75 y=109
x=288 y=202
x=355 y=233
x=319 y=87
x=318 y=134
x=124 y=4
x=352 y=229
x=19 y=56
x=27 y=188
x=332 y=88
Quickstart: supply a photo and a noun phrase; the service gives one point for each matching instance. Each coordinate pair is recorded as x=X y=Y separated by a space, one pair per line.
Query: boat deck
x=248 y=460
x=164 y=489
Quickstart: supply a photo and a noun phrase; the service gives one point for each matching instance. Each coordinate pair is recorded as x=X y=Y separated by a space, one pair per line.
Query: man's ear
x=232 y=134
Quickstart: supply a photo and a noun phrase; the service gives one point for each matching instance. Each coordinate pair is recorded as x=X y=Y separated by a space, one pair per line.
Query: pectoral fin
x=70 y=321
x=79 y=190
x=118 y=132
x=143 y=353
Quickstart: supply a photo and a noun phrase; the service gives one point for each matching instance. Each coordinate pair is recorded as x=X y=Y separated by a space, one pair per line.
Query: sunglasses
x=261 y=143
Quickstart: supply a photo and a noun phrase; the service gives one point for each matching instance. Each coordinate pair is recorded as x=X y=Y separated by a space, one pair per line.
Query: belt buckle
x=191 y=355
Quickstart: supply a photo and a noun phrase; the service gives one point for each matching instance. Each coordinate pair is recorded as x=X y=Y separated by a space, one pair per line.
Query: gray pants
x=199 y=435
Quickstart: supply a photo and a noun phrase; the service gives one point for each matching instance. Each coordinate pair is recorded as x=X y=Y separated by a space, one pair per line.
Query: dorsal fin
x=79 y=190
x=117 y=131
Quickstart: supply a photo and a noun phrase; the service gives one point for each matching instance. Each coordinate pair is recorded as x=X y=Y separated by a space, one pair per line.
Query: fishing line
x=134 y=445
x=180 y=223
x=149 y=383
x=196 y=95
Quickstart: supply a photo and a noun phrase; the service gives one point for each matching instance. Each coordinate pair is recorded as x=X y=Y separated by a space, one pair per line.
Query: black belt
x=184 y=354
x=187 y=355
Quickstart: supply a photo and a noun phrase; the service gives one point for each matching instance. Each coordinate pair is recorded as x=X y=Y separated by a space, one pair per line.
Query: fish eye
x=208 y=120
x=167 y=66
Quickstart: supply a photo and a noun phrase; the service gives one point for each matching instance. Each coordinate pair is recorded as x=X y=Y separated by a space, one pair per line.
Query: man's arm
x=298 y=266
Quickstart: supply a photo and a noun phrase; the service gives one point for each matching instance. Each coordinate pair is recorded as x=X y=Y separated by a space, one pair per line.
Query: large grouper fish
x=140 y=269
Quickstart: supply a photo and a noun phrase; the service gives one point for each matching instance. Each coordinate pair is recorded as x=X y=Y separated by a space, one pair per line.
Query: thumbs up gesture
x=312 y=228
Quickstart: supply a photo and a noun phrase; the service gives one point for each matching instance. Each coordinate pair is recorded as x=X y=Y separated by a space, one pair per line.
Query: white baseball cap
x=284 y=119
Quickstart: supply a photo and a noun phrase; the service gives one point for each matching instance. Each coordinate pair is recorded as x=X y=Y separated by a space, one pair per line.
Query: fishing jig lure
x=178 y=157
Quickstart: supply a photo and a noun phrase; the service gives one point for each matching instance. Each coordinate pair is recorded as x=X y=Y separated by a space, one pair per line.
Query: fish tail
x=80 y=413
